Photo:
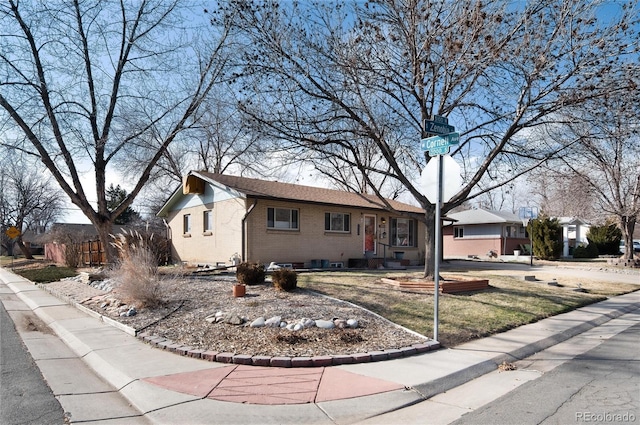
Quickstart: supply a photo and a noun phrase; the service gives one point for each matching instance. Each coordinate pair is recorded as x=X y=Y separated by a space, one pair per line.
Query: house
x=479 y=232
x=574 y=233
x=220 y=219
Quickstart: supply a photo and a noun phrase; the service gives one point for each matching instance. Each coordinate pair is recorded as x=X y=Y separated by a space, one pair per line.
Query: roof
x=264 y=189
x=480 y=216
x=572 y=221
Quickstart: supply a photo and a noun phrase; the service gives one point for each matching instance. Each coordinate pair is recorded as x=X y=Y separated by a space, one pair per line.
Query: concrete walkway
x=99 y=373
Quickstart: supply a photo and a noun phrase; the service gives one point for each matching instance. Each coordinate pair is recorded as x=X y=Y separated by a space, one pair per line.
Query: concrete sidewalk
x=141 y=384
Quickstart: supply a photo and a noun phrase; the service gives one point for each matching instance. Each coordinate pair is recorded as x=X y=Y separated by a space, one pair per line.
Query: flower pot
x=239 y=290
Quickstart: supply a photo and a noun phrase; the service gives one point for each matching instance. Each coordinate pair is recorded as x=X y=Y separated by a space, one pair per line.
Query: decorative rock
x=273 y=322
x=234 y=319
x=352 y=323
x=340 y=323
x=325 y=324
x=258 y=323
x=297 y=327
x=290 y=326
x=211 y=319
x=283 y=324
x=307 y=323
x=132 y=312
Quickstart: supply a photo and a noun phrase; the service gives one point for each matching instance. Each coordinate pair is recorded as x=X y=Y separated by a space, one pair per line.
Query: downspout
x=244 y=230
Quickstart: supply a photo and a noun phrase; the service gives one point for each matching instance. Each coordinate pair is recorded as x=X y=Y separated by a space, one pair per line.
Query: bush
x=605 y=238
x=285 y=279
x=73 y=255
x=589 y=251
x=547 y=237
x=137 y=273
x=250 y=273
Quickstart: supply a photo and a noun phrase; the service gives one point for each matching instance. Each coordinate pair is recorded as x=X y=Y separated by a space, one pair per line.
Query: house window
x=510 y=231
x=186 y=224
x=403 y=232
x=337 y=222
x=282 y=218
x=207 y=221
x=458 y=232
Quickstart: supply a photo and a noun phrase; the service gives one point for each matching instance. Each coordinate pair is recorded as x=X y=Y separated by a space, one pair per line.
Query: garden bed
x=448 y=286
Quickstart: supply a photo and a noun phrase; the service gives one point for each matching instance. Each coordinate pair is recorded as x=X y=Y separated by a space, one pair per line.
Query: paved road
x=25 y=397
x=599 y=386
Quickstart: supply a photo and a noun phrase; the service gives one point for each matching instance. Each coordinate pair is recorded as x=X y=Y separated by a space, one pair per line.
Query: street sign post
x=437 y=146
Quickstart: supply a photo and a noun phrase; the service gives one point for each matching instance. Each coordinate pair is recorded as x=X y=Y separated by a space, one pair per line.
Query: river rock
x=258 y=323
x=352 y=323
x=325 y=324
x=273 y=322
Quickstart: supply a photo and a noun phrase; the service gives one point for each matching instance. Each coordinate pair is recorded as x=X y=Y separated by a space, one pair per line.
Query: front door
x=370 y=234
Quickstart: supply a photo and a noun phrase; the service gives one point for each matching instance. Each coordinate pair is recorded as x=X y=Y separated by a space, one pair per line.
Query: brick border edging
x=284 y=361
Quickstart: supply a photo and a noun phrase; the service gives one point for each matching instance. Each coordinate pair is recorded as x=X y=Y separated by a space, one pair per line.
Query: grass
x=46 y=274
x=36 y=270
x=510 y=301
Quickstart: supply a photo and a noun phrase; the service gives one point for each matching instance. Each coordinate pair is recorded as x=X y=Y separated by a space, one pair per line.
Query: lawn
x=508 y=303
x=37 y=270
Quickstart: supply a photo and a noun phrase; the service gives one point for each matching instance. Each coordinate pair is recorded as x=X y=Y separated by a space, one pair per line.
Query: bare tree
x=29 y=199
x=354 y=83
x=607 y=163
x=89 y=83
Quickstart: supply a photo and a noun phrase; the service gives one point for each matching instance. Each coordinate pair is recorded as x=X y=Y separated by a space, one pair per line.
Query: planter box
x=446 y=286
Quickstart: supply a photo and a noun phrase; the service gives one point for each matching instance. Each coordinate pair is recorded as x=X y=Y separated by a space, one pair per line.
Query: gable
x=196 y=193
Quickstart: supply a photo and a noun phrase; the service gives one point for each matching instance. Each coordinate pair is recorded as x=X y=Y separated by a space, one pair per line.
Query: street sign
x=13 y=232
x=434 y=127
x=439 y=150
x=440 y=119
x=451 y=179
x=439 y=145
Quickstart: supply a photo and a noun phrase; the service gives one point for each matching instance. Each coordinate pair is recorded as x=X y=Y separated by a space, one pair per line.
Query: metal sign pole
x=436 y=268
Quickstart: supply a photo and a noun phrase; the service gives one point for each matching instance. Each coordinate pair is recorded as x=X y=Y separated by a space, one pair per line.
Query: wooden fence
x=93 y=253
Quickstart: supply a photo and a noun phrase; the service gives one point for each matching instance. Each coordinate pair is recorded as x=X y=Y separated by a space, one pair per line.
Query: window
x=337 y=222
x=458 y=232
x=282 y=218
x=510 y=231
x=186 y=224
x=207 y=221
x=403 y=232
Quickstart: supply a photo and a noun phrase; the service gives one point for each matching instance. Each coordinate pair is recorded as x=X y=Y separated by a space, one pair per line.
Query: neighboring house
x=219 y=219
x=478 y=232
x=574 y=233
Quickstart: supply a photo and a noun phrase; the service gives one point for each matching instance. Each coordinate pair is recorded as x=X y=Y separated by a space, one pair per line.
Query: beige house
x=218 y=219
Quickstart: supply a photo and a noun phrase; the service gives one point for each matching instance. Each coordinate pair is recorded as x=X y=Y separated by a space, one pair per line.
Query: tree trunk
x=430 y=246
x=26 y=251
x=628 y=225
x=104 y=229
